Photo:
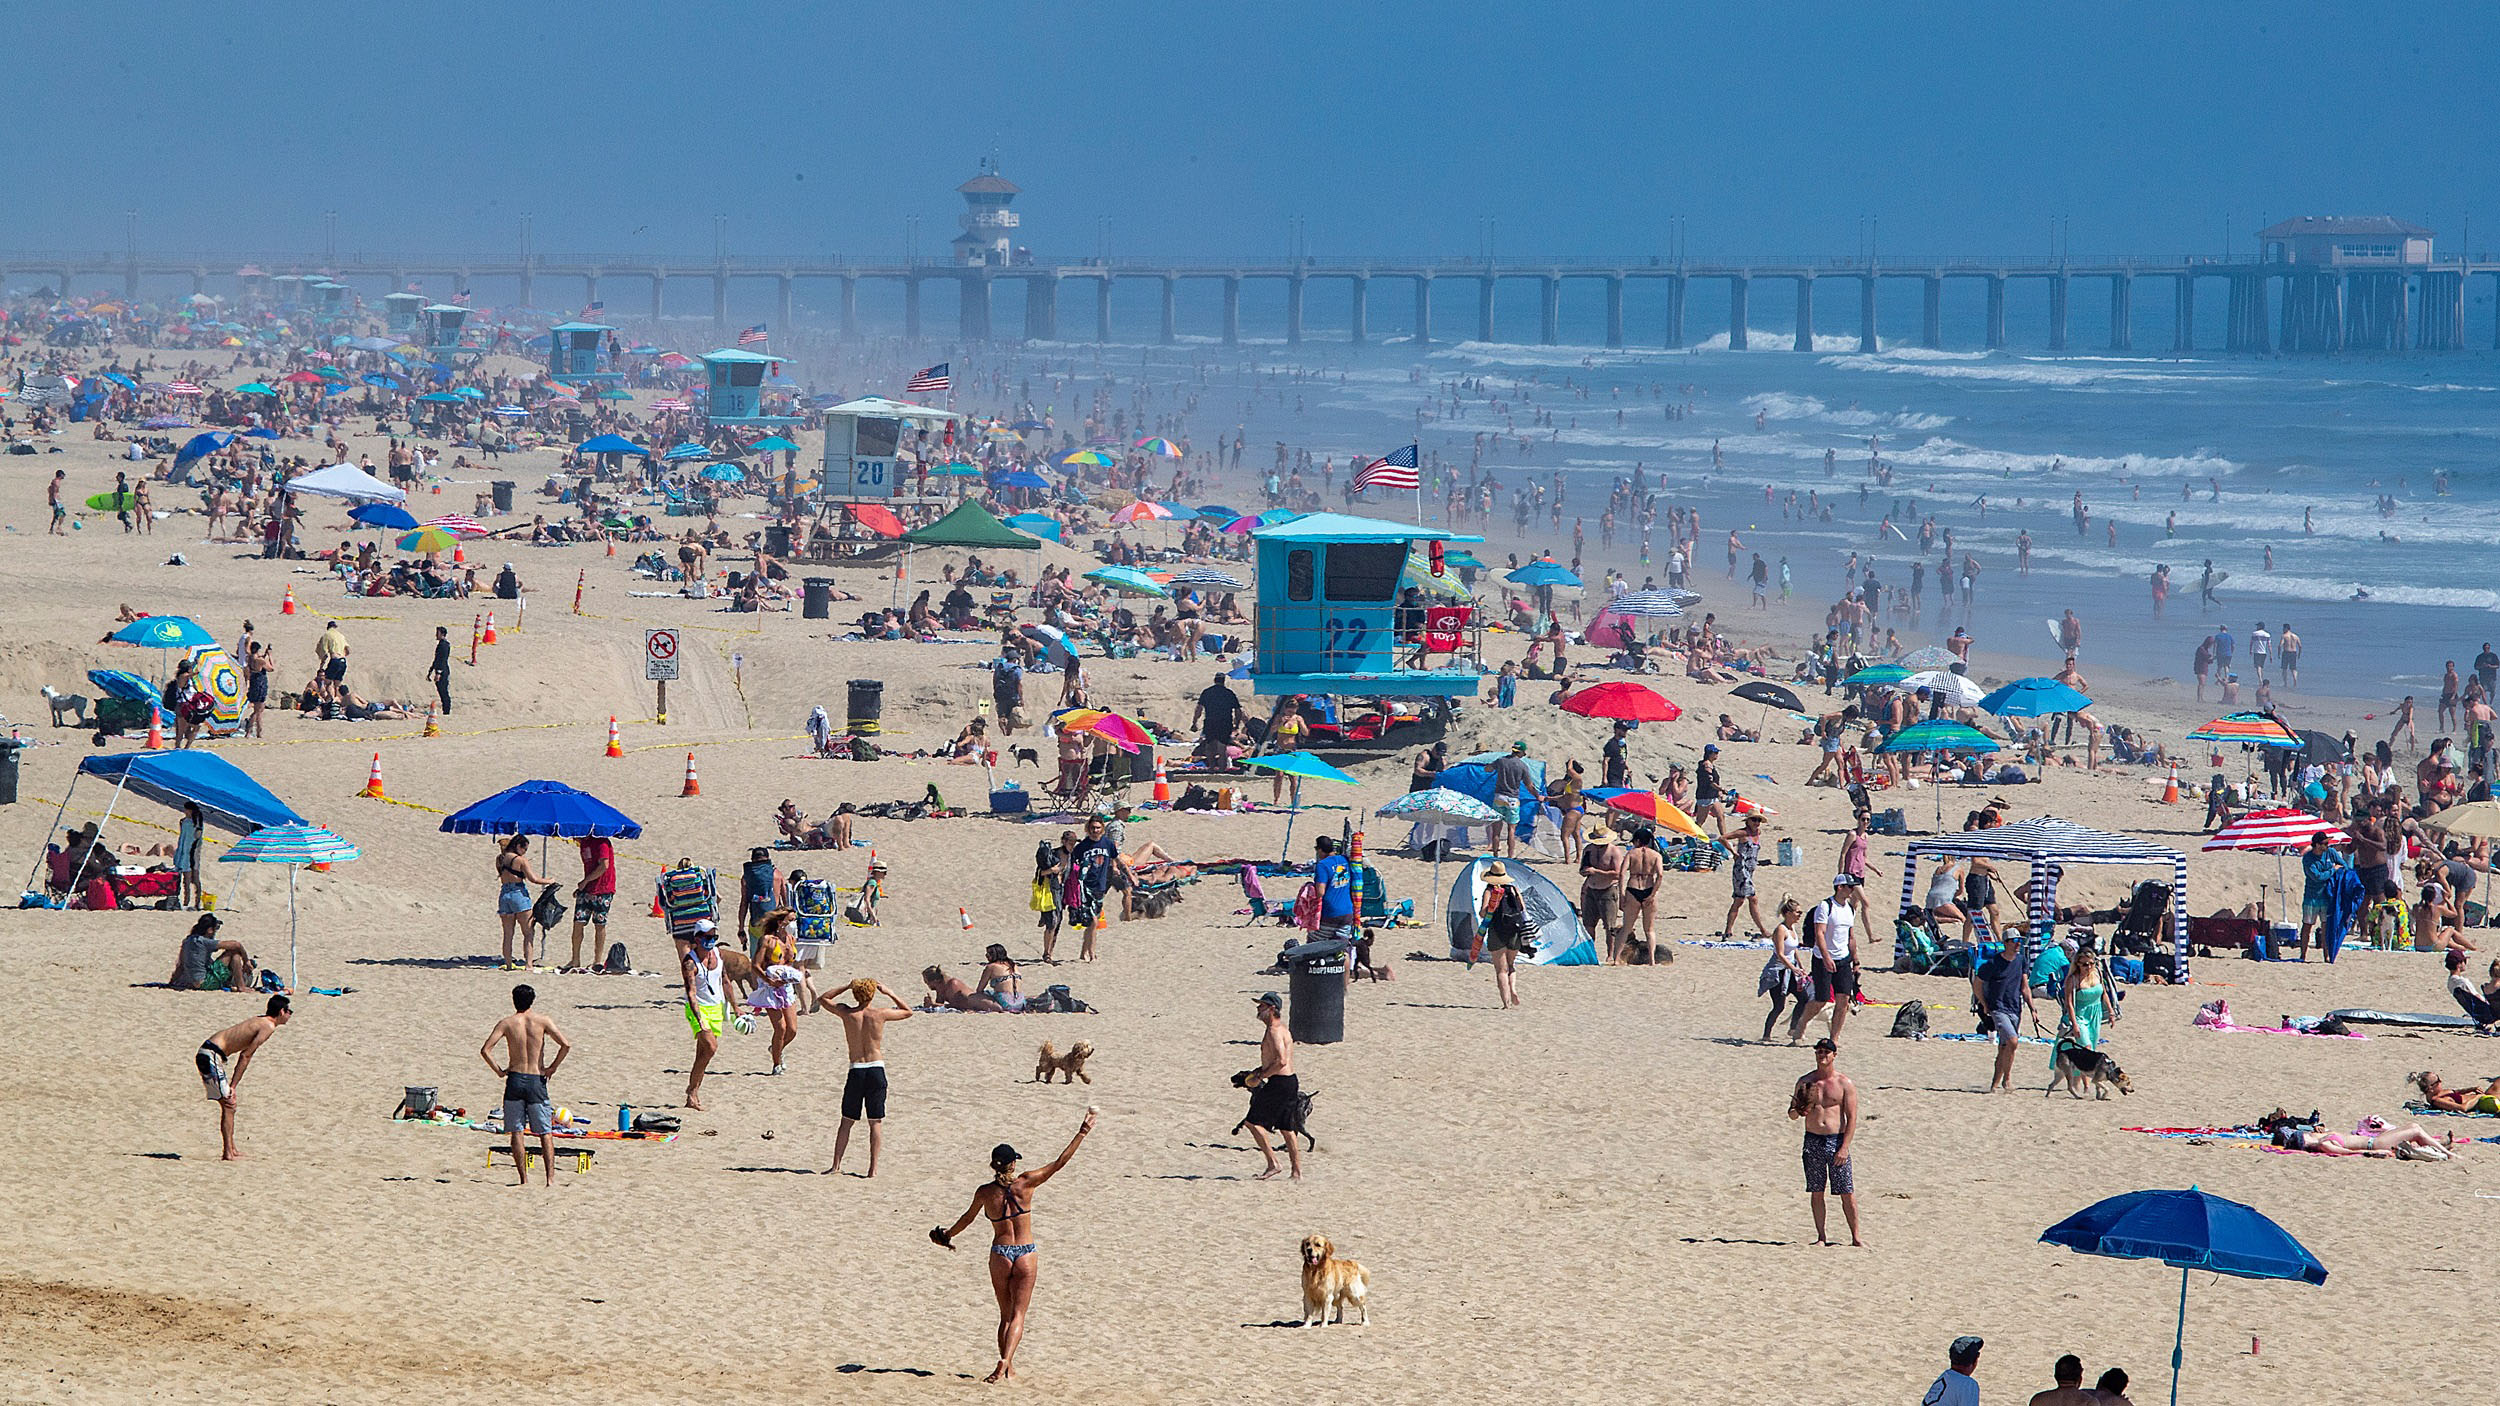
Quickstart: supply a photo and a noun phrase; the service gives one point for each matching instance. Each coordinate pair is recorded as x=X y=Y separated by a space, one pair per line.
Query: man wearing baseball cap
x=1707 y=791
x=1511 y=780
x=1833 y=976
x=1275 y=1094
x=706 y=1003
x=1954 y=1385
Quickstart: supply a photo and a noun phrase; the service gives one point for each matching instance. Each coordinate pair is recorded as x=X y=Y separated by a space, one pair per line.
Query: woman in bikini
x=780 y=992
x=1643 y=870
x=513 y=877
x=1007 y=1200
x=1000 y=980
x=2408 y=1142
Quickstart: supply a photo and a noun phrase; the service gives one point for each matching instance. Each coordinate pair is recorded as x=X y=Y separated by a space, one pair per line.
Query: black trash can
x=1315 y=987
x=817 y=603
x=867 y=706
x=777 y=539
x=10 y=749
x=503 y=495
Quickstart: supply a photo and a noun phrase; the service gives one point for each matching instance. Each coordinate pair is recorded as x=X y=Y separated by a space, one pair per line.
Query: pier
x=2272 y=306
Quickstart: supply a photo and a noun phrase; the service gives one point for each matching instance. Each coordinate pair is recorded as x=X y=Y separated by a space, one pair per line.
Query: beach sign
x=659 y=655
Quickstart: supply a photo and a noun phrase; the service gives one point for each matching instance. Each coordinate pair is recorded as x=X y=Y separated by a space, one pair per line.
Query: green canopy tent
x=973 y=526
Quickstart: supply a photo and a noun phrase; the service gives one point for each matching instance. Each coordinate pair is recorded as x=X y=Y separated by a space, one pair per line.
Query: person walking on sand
x=1828 y=1103
x=238 y=1043
x=1275 y=1094
x=699 y=968
x=1006 y=1199
x=525 y=1035
x=1832 y=966
x=60 y=508
x=863 y=1089
x=1998 y=987
x=1501 y=931
x=1744 y=896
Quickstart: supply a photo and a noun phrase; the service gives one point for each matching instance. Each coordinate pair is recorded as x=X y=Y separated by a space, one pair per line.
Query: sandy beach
x=1593 y=1197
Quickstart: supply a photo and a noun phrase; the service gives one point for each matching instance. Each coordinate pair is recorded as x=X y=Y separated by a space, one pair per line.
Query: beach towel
x=2344 y=897
x=687 y=898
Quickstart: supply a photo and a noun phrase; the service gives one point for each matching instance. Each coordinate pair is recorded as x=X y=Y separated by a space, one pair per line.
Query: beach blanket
x=1975 y=1036
x=2485 y=1107
x=2234 y=1028
x=1750 y=942
x=493 y=1123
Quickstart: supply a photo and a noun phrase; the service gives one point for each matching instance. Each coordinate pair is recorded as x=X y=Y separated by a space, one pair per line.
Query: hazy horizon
x=1394 y=128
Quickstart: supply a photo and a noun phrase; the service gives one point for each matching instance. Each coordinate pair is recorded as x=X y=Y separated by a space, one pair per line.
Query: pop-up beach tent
x=1562 y=941
x=228 y=798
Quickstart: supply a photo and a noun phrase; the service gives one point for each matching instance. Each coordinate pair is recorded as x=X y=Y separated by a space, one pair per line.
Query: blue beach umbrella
x=770 y=444
x=1035 y=524
x=383 y=515
x=679 y=453
x=2187 y=1230
x=262 y=432
x=542 y=808
x=722 y=473
x=1217 y=512
x=1939 y=736
x=1130 y=580
x=609 y=444
x=1023 y=478
x=2034 y=698
x=202 y=444
x=164 y=632
x=1544 y=573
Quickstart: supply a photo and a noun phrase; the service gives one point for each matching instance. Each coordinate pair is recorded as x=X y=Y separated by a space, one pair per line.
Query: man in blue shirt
x=2225 y=648
x=1335 y=878
x=2318 y=864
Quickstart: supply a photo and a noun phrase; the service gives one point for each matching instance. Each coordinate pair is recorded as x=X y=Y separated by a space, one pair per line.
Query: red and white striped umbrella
x=672 y=405
x=2281 y=828
x=185 y=388
x=459 y=525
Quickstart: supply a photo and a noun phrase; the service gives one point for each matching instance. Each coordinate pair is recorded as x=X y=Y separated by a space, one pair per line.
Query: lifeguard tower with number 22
x=1330 y=619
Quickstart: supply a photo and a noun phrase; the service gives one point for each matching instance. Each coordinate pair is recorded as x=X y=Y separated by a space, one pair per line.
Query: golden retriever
x=1331 y=1283
x=1070 y=1067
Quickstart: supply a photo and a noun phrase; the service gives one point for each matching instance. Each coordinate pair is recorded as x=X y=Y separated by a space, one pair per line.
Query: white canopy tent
x=346 y=481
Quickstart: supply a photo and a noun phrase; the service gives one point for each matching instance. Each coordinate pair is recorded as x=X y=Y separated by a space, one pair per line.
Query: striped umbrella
x=1939 y=737
x=1208 y=576
x=2257 y=729
x=1093 y=457
x=1141 y=511
x=1160 y=445
x=1877 y=675
x=1933 y=656
x=458 y=523
x=1957 y=689
x=293 y=846
x=1440 y=806
x=427 y=539
x=1659 y=603
x=1124 y=732
x=2279 y=828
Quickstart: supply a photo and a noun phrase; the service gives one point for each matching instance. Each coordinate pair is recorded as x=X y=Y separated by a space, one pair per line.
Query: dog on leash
x=1070 y=1067
x=1332 y=1282
x=2075 y=1066
x=1028 y=756
x=73 y=704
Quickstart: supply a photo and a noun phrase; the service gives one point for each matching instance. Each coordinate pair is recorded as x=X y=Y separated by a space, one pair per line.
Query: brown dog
x=1329 y=1282
x=1070 y=1067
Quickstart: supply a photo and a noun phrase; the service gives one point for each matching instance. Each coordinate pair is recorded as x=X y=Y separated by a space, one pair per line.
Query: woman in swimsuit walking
x=1643 y=870
x=1007 y=1200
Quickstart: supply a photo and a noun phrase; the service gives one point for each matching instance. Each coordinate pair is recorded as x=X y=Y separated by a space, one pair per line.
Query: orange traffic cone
x=373 y=780
x=430 y=729
x=2170 y=788
x=287 y=606
x=694 y=787
x=1163 y=784
x=965 y=918
x=156 y=731
x=616 y=745
x=489 y=636
x=611 y=546
x=458 y=557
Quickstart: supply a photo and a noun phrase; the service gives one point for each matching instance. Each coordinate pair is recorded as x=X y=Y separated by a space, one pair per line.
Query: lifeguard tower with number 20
x=1331 y=587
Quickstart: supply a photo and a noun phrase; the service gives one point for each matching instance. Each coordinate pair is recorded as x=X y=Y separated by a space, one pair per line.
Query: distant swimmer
x=2360 y=593
x=2309 y=521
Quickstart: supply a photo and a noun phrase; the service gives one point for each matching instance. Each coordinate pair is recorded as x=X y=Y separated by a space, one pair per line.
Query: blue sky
x=1386 y=127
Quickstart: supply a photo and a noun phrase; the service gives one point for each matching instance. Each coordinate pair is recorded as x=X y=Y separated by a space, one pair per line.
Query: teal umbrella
x=1131 y=581
x=1877 y=676
x=293 y=846
x=1939 y=736
x=255 y=388
x=771 y=443
x=1297 y=765
x=164 y=632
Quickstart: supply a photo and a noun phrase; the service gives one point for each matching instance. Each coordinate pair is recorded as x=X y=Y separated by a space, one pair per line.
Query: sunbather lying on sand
x=2438 y=1095
x=2407 y=1142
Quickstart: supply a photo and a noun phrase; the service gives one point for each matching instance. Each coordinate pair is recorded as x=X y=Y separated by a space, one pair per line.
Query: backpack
x=1910 y=1022
x=617 y=965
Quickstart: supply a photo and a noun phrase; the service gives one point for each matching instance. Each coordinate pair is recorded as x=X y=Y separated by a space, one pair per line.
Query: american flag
x=1394 y=470
x=752 y=337
x=931 y=380
x=185 y=388
x=592 y=309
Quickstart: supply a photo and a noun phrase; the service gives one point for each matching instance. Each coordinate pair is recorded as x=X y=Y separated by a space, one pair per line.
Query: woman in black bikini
x=1007 y=1200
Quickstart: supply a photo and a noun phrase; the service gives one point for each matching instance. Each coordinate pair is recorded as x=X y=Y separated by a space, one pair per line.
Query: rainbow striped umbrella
x=2257 y=729
x=1094 y=457
x=1159 y=445
x=427 y=539
x=1124 y=733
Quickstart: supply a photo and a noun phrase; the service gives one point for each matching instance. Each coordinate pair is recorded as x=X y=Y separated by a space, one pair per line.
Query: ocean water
x=2295 y=454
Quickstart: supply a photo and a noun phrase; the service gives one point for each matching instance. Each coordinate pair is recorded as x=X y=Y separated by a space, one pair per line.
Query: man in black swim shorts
x=1275 y=1094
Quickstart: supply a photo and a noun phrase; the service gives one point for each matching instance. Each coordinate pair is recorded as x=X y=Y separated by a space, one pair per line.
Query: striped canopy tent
x=2049 y=846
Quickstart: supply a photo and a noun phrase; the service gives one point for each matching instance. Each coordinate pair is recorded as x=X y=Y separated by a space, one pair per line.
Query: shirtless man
x=1275 y=1094
x=525 y=1070
x=863 y=1091
x=1829 y=1104
x=238 y=1043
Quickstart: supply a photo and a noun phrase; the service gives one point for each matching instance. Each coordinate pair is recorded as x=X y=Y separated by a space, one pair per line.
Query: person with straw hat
x=1501 y=931
x=1743 y=896
x=1601 y=888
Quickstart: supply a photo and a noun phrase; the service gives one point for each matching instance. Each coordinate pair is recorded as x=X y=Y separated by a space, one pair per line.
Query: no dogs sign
x=659 y=655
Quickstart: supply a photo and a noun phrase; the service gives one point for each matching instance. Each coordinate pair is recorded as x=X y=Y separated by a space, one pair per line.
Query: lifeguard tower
x=399 y=312
x=579 y=353
x=326 y=295
x=864 y=446
x=1329 y=587
x=441 y=324
x=735 y=383
x=287 y=289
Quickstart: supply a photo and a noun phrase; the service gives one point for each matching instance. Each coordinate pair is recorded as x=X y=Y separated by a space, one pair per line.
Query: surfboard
x=113 y=502
x=2056 y=637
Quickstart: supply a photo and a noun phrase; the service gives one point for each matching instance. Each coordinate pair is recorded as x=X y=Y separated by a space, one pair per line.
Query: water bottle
x=624 y=1118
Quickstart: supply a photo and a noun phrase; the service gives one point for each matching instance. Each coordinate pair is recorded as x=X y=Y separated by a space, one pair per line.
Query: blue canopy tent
x=1473 y=778
x=228 y=798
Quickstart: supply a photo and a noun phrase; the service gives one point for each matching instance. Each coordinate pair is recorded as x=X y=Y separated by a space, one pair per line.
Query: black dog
x=1025 y=755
